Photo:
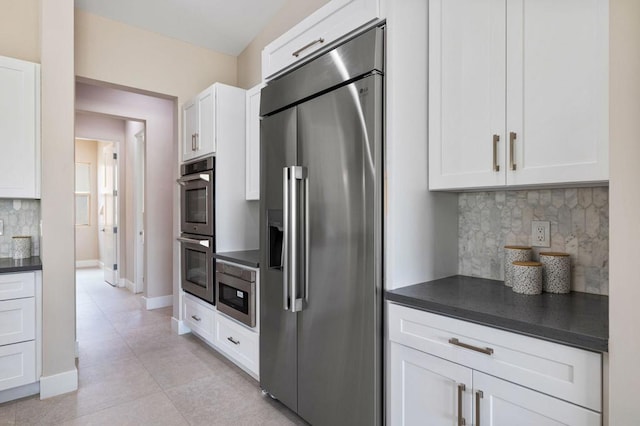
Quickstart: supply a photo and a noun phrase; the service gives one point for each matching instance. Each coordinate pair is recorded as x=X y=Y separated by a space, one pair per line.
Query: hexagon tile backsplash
x=20 y=217
x=579 y=226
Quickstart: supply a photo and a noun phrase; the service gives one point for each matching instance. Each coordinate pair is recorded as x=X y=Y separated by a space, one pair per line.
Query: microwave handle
x=204 y=243
x=201 y=176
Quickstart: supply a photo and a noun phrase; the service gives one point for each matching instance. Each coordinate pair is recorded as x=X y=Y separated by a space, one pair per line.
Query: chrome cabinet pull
x=306 y=46
x=197 y=318
x=461 y=419
x=234 y=341
x=454 y=341
x=193 y=142
x=512 y=148
x=496 y=166
x=479 y=395
x=285 y=238
x=197 y=141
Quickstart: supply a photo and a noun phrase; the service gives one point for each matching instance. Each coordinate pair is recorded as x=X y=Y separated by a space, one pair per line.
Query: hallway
x=134 y=370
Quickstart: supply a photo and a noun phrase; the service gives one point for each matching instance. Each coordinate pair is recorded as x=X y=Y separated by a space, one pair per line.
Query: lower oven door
x=197 y=275
x=236 y=298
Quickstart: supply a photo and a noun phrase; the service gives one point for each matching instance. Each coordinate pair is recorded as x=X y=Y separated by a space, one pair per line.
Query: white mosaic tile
x=20 y=217
x=579 y=226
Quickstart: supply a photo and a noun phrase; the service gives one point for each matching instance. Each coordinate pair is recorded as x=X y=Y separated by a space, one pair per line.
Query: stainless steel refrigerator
x=321 y=235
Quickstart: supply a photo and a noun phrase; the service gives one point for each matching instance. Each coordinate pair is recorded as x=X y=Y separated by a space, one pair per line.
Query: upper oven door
x=197 y=203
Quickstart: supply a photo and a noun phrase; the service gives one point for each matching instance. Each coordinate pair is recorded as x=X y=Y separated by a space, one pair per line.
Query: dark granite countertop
x=575 y=319
x=8 y=265
x=249 y=258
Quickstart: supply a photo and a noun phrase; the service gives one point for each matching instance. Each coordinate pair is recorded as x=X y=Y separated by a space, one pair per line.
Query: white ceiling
x=226 y=26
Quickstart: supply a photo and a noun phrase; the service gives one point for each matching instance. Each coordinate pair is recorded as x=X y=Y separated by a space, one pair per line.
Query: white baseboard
x=129 y=285
x=158 y=302
x=93 y=263
x=100 y=264
x=58 y=384
x=179 y=327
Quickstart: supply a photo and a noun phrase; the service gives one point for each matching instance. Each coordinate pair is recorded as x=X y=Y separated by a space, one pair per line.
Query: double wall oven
x=197 y=238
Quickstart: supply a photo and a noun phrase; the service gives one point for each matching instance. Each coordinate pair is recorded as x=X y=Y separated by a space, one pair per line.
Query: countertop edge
x=564 y=337
x=34 y=264
x=229 y=257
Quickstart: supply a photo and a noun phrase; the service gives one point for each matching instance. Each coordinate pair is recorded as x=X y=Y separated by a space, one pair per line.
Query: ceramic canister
x=514 y=254
x=527 y=277
x=556 y=273
x=21 y=247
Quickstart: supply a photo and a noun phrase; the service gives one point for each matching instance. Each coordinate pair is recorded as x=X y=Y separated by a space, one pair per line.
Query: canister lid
x=527 y=263
x=518 y=247
x=553 y=253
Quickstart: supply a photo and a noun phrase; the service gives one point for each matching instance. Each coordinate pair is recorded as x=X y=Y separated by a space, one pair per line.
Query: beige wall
x=117 y=53
x=87 y=236
x=20 y=29
x=624 y=315
x=293 y=11
x=57 y=252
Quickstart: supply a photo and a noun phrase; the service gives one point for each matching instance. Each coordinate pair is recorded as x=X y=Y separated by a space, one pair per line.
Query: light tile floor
x=133 y=370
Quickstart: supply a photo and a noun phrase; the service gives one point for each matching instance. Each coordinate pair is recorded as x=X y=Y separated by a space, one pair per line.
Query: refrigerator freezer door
x=278 y=346
x=339 y=329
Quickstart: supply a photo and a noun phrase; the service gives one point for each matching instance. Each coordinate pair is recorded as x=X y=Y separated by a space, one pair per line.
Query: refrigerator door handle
x=285 y=238
x=306 y=238
x=296 y=173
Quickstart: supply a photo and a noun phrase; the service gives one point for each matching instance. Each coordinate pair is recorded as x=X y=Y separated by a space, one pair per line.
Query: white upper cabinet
x=518 y=92
x=199 y=122
x=252 y=180
x=19 y=129
x=332 y=21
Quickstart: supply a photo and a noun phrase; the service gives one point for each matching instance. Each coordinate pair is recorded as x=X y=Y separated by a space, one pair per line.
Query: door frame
x=139 y=259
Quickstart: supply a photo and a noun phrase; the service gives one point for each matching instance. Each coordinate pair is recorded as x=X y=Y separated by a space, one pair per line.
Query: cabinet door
x=466 y=93
x=557 y=91
x=190 y=129
x=427 y=390
x=252 y=182
x=206 y=134
x=503 y=403
x=19 y=134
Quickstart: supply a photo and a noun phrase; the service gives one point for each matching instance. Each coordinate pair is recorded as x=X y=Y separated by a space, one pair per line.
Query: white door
x=108 y=193
x=426 y=390
x=139 y=212
x=557 y=90
x=190 y=126
x=506 y=404
x=466 y=93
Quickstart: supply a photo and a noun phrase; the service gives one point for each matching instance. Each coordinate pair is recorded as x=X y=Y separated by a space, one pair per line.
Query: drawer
x=14 y=286
x=17 y=365
x=17 y=320
x=332 y=21
x=199 y=317
x=240 y=343
x=574 y=375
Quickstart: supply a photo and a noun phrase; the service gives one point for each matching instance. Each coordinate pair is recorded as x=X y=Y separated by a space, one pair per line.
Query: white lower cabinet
x=20 y=332
x=236 y=341
x=438 y=375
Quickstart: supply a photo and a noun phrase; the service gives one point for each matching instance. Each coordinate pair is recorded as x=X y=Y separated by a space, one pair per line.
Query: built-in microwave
x=236 y=292
x=197 y=197
x=196 y=256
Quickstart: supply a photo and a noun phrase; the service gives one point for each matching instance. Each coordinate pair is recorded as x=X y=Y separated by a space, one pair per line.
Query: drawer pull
x=461 y=389
x=457 y=342
x=234 y=341
x=496 y=166
x=306 y=46
x=197 y=318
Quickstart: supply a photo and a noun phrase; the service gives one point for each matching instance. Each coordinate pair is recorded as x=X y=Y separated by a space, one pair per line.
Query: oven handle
x=202 y=176
x=204 y=243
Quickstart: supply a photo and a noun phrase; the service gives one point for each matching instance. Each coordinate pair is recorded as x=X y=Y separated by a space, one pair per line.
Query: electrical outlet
x=541 y=233
x=1 y=227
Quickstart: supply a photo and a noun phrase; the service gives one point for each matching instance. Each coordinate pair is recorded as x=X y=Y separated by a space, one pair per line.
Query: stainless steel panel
x=226 y=305
x=339 y=330
x=278 y=341
x=356 y=57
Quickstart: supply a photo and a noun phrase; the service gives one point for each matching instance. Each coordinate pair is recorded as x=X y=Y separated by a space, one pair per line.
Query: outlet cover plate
x=540 y=233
